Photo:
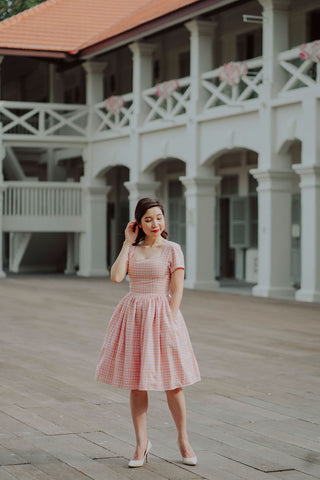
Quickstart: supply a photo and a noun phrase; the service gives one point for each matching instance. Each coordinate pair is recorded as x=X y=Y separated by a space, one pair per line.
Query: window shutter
x=239 y=222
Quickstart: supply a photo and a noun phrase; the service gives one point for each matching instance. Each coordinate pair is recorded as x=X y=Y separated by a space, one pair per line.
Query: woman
x=147 y=346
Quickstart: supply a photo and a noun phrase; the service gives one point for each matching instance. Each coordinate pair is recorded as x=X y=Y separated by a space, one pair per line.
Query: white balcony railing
x=233 y=83
x=54 y=199
x=302 y=65
x=113 y=114
x=46 y=206
x=168 y=100
x=43 y=119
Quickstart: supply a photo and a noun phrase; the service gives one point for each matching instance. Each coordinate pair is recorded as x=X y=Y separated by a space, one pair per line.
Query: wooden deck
x=254 y=416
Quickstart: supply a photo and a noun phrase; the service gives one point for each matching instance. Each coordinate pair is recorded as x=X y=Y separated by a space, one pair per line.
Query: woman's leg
x=139 y=407
x=177 y=406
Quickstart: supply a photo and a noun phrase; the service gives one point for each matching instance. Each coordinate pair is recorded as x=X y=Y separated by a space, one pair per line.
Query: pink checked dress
x=144 y=347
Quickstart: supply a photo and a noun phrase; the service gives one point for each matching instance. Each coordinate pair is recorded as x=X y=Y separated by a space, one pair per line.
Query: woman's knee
x=138 y=393
x=173 y=392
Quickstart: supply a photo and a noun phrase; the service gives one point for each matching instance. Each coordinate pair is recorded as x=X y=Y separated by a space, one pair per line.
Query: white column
x=199 y=183
x=274 y=203
x=2 y=188
x=201 y=58
x=310 y=233
x=275 y=40
x=138 y=190
x=141 y=185
x=200 y=236
x=94 y=90
x=142 y=78
x=93 y=241
x=94 y=81
x=70 y=270
x=1 y=60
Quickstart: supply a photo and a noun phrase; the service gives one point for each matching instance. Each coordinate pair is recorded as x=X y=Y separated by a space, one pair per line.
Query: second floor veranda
x=232 y=88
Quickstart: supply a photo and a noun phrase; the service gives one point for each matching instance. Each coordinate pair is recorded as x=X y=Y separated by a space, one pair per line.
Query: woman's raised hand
x=131 y=232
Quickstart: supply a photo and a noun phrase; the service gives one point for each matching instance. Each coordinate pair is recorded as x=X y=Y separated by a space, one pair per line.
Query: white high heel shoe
x=140 y=463
x=189 y=460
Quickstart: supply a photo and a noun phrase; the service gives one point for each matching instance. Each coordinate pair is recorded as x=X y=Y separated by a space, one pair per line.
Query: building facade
x=215 y=109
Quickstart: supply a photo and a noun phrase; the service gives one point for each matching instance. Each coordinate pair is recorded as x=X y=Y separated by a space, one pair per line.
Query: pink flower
x=303 y=52
x=310 y=50
x=114 y=104
x=232 y=72
x=166 y=89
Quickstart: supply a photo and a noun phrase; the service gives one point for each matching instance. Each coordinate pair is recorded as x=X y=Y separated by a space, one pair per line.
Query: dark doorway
x=227 y=254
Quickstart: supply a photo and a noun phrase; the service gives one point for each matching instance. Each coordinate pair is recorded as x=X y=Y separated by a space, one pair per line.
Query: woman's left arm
x=177 y=280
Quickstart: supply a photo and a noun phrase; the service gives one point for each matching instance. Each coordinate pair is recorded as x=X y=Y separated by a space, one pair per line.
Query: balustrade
x=43 y=119
x=114 y=114
x=50 y=199
x=42 y=206
x=233 y=83
x=168 y=100
x=302 y=65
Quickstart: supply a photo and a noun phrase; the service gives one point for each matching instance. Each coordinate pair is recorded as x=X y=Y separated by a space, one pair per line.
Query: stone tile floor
x=254 y=416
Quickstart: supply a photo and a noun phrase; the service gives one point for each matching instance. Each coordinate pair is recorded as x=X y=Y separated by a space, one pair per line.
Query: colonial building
x=211 y=105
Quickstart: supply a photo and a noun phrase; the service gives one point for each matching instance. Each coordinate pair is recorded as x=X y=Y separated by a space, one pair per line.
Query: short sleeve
x=176 y=260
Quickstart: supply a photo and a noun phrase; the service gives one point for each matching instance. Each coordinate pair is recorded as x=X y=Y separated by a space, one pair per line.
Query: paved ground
x=254 y=416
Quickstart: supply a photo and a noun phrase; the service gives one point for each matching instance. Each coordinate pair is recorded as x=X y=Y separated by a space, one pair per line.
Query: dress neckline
x=151 y=258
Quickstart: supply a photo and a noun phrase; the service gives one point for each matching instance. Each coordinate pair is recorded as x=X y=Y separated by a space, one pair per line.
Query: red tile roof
x=68 y=26
x=149 y=11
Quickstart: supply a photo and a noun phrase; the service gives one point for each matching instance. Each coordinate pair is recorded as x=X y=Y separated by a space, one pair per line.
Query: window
x=229 y=185
x=253 y=185
x=177 y=212
x=253 y=220
x=313 y=25
x=249 y=45
x=253 y=211
x=239 y=222
x=156 y=71
x=184 y=64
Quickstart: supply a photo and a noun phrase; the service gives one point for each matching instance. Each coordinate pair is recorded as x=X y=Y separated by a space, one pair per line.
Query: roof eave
x=153 y=26
x=22 y=52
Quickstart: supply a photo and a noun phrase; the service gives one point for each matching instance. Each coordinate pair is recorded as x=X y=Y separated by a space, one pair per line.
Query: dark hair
x=142 y=206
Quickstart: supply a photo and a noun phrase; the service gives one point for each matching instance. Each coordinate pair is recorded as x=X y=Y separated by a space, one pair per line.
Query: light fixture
x=252 y=18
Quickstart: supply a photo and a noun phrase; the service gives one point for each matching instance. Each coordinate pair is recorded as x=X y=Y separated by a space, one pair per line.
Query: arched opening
x=171 y=192
x=117 y=210
x=236 y=226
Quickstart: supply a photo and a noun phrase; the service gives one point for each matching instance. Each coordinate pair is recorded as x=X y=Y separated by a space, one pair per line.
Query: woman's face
x=152 y=222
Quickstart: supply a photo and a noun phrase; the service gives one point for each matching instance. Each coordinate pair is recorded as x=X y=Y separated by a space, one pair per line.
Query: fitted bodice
x=150 y=275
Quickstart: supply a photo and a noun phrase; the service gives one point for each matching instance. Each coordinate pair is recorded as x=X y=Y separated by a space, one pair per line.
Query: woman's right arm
x=119 y=268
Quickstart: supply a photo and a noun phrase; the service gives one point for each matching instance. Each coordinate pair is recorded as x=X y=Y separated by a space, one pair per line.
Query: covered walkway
x=254 y=416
